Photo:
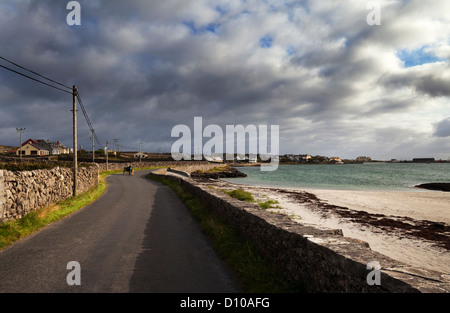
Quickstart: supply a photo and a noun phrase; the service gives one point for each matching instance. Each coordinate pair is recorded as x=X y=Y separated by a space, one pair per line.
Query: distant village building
x=140 y=155
x=299 y=157
x=42 y=147
x=423 y=160
x=336 y=160
x=363 y=159
x=214 y=159
x=32 y=149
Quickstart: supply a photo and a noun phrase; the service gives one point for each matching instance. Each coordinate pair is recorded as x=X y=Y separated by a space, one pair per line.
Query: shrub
x=268 y=204
x=240 y=195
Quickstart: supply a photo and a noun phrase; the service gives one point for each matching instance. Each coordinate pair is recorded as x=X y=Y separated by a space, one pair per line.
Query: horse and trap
x=129 y=170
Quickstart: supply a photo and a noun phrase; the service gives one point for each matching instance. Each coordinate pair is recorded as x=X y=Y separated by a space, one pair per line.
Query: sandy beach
x=411 y=227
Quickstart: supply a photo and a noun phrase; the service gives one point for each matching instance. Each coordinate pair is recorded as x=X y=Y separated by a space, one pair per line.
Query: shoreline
x=411 y=227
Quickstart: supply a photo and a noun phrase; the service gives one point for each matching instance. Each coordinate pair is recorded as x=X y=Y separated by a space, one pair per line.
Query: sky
x=334 y=83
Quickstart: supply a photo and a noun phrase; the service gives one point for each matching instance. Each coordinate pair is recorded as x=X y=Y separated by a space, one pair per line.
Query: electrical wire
x=88 y=120
x=49 y=85
x=9 y=69
x=53 y=81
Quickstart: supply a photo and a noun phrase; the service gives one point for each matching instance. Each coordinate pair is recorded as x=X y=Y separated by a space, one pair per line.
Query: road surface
x=138 y=237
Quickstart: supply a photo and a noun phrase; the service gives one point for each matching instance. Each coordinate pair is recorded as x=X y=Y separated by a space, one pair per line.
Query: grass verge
x=256 y=273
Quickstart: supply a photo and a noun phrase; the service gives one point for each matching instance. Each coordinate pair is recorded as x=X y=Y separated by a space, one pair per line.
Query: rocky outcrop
x=435 y=186
x=224 y=172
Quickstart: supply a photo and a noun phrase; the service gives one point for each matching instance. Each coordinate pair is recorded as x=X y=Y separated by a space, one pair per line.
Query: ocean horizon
x=366 y=176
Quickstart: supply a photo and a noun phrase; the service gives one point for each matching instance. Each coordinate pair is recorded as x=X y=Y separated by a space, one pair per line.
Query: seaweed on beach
x=439 y=233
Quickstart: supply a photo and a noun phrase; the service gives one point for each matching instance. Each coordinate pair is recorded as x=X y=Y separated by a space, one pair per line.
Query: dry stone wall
x=23 y=192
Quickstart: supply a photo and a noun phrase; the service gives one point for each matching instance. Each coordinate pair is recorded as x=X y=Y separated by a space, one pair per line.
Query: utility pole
x=93 y=147
x=140 y=152
x=115 y=145
x=75 y=152
x=21 y=130
x=106 y=150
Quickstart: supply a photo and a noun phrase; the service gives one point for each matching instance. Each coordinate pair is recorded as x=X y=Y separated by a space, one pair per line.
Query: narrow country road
x=138 y=237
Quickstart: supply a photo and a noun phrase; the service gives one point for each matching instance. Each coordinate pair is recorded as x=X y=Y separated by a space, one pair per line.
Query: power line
x=9 y=69
x=88 y=120
x=71 y=92
x=53 y=81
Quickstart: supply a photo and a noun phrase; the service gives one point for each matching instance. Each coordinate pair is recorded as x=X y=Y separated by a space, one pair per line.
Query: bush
x=240 y=195
x=268 y=204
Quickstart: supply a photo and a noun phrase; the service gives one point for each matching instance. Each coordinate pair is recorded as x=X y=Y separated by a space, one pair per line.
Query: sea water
x=366 y=176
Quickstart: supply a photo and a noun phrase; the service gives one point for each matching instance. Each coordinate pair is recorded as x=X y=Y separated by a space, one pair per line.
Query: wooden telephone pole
x=21 y=130
x=93 y=147
x=75 y=152
x=106 y=151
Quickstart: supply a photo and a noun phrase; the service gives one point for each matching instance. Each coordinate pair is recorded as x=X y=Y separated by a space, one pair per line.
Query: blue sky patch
x=222 y=10
x=290 y=50
x=417 y=57
x=212 y=28
x=266 y=41
x=191 y=26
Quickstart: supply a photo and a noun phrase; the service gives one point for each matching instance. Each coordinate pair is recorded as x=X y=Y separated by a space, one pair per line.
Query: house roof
x=29 y=141
x=44 y=144
x=35 y=145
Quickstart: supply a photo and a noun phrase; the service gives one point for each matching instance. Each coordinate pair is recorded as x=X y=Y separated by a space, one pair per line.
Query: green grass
x=267 y=204
x=255 y=272
x=240 y=195
x=248 y=197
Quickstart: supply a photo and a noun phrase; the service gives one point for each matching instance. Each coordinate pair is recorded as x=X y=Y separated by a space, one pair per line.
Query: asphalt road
x=138 y=237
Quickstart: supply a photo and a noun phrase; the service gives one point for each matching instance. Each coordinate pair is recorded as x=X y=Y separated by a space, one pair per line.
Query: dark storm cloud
x=442 y=128
x=436 y=84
